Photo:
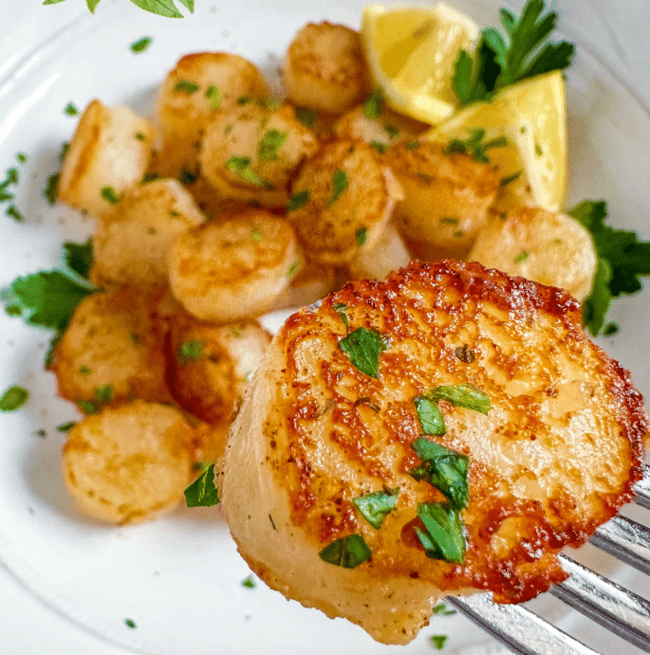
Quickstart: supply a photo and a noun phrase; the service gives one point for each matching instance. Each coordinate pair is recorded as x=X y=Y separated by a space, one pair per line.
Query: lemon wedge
x=411 y=52
x=532 y=116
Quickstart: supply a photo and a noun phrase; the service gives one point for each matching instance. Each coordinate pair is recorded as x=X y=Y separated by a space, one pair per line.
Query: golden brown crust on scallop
x=556 y=456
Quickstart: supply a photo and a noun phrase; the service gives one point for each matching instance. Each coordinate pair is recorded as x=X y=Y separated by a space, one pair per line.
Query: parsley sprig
x=165 y=8
x=520 y=53
x=622 y=259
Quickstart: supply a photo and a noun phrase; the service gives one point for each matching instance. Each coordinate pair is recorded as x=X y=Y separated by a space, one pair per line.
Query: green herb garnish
x=298 y=200
x=431 y=419
x=203 y=492
x=347 y=552
x=79 y=257
x=13 y=398
x=379 y=146
x=293 y=269
x=510 y=178
x=443 y=610
x=256 y=236
x=376 y=506
x=104 y=394
x=306 y=116
x=462 y=395
x=186 y=86
x=361 y=235
x=12 y=212
x=271 y=142
x=248 y=582
x=130 y=623
x=339 y=185
x=240 y=166
x=622 y=260
x=498 y=64
x=108 y=193
x=21 y=157
x=521 y=257
x=610 y=329
x=363 y=347
x=439 y=641
x=340 y=309
x=141 y=44
x=474 y=145
x=213 y=94
x=444 y=469
x=86 y=406
x=66 y=427
x=443 y=538
x=272 y=523
x=189 y=350
x=70 y=110
x=50 y=189
x=391 y=130
x=372 y=106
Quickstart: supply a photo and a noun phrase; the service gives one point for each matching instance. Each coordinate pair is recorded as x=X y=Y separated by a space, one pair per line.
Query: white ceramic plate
x=179 y=578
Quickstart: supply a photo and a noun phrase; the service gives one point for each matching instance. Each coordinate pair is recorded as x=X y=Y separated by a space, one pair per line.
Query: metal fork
x=621 y=611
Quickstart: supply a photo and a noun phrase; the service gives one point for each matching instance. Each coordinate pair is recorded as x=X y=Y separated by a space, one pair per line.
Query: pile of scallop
x=228 y=205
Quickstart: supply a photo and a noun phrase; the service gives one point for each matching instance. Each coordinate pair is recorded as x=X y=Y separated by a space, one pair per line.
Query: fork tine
x=627 y=540
x=642 y=489
x=518 y=628
x=622 y=611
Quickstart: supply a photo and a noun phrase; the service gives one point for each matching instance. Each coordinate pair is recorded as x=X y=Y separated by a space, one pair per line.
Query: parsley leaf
x=104 y=394
x=376 y=506
x=70 y=110
x=298 y=200
x=108 y=193
x=248 y=582
x=213 y=94
x=50 y=189
x=189 y=350
x=502 y=60
x=439 y=641
x=186 y=86
x=474 y=145
x=622 y=259
x=306 y=116
x=46 y=299
x=339 y=185
x=66 y=427
x=361 y=235
x=363 y=347
x=240 y=166
x=13 y=398
x=141 y=44
x=372 y=106
x=347 y=552
x=203 y=492
x=79 y=257
x=462 y=395
x=270 y=144
x=130 y=623
x=444 y=538
x=443 y=610
x=431 y=419
x=444 y=469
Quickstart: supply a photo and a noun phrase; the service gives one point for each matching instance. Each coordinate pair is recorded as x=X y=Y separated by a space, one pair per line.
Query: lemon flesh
x=532 y=116
x=411 y=53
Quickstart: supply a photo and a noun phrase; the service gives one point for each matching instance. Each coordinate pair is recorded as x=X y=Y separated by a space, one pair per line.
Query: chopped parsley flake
x=203 y=492
x=521 y=257
x=412 y=145
x=474 y=145
x=108 y=193
x=241 y=167
x=13 y=398
x=293 y=269
x=189 y=350
x=244 y=100
x=347 y=552
x=87 y=407
x=104 y=394
x=379 y=146
x=66 y=427
x=298 y=200
x=85 y=370
x=213 y=94
x=439 y=641
x=256 y=234
x=141 y=44
x=510 y=178
x=443 y=610
x=363 y=347
x=272 y=523
x=21 y=157
x=377 y=505
x=306 y=116
x=271 y=142
x=444 y=469
x=361 y=235
x=130 y=623
x=610 y=329
x=249 y=582
x=372 y=106
x=443 y=536
x=70 y=110
x=392 y=131
x=50 y=189
x=339 y=185
x=186 y=86
x=12 y=212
